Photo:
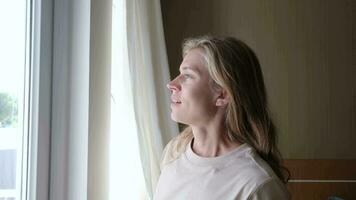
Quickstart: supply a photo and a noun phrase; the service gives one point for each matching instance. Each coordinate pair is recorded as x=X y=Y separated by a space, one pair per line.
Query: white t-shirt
x=239 y=174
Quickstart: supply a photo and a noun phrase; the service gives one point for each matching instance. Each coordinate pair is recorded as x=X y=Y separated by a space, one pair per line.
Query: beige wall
x=307 y=49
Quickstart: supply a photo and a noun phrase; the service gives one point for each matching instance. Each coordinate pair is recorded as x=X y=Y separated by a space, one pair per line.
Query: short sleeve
x=270 y=190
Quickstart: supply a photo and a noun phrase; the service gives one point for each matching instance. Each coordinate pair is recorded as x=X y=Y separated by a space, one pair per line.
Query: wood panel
x=320 y=179
x=321 y=169
x=318 y=191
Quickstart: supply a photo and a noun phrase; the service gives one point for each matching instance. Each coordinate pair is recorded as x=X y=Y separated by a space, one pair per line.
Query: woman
x=228 y=150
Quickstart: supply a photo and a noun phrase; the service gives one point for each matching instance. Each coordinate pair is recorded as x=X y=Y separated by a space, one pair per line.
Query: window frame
x=36 y=146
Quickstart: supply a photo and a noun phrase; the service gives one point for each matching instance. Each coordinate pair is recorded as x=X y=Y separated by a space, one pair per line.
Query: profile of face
x=194 y=99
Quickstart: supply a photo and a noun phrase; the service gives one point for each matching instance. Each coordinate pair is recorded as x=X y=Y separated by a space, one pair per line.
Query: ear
x=223 y=99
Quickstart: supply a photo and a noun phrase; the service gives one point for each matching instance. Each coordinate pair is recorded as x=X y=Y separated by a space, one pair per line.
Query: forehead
x=195 y=60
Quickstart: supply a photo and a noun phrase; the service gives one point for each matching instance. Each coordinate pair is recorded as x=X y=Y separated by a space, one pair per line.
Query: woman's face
x=193 y=95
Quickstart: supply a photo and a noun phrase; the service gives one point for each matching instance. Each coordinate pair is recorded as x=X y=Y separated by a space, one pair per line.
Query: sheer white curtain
x=80 y=121
x=81 y=94
x=149 y=74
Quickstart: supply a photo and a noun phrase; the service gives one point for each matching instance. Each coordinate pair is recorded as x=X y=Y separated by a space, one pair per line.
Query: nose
x=173 y=85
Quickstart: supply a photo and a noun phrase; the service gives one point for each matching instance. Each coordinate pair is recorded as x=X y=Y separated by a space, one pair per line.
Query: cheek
x=198 y=99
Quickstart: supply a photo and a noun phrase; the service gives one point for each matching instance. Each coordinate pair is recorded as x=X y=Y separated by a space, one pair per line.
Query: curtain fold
x=149 y=74
x=80 y=121
x=99 y=99
x=81 y=94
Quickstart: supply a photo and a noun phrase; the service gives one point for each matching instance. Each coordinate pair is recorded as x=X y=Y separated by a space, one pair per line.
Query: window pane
x=12 y=85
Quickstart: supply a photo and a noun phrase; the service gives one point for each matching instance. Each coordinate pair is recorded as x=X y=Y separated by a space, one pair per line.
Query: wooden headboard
x=320 y=179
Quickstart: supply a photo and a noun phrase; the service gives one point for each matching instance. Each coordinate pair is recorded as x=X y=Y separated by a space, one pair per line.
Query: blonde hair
x=235 y=67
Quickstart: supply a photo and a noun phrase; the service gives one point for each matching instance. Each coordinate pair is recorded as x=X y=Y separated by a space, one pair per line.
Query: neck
x=212 y=141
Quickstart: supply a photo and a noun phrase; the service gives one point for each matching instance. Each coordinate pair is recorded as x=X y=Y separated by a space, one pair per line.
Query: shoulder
x=260 y=180
x=170 y=152
x=271 y=188
x=175 y=148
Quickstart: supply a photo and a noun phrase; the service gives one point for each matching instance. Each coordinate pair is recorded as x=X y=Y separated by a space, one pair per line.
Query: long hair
x=235 y=68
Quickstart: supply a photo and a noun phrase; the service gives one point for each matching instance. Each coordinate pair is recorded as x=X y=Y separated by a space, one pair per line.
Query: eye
x=186 y=76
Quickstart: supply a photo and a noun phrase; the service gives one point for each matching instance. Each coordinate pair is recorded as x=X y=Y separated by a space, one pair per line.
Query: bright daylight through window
x=13 y=98
x=126 y=174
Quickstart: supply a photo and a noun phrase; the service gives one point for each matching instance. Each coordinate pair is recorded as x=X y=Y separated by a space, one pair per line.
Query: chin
x=176 y=118
x=179 y=119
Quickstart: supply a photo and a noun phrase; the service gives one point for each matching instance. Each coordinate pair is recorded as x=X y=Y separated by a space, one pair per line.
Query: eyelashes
x=187 y=76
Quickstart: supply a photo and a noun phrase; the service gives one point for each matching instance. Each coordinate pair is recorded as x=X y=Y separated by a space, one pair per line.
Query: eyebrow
x=189 y=68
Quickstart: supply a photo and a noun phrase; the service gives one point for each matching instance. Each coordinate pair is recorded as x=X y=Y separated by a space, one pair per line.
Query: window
x=13 y=94
x=126 y=174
